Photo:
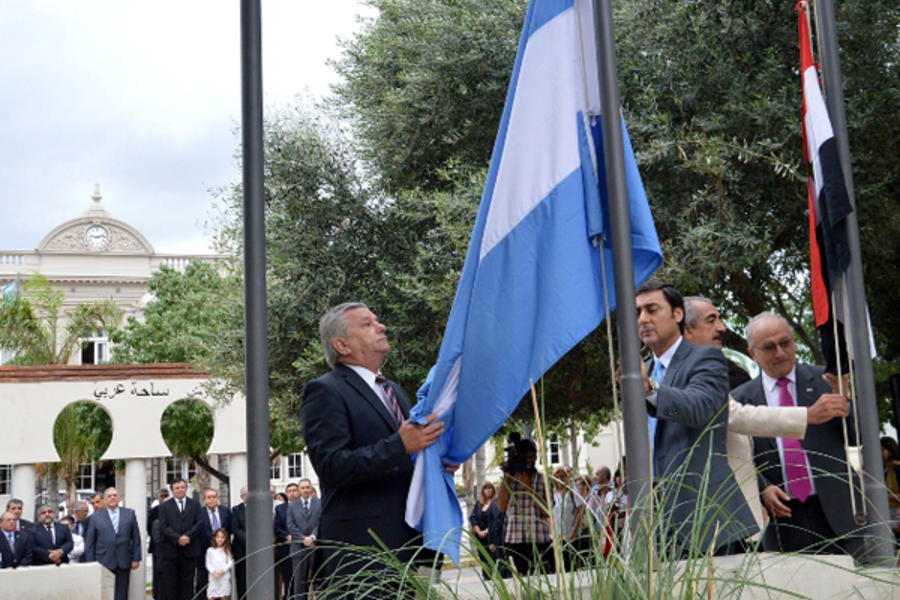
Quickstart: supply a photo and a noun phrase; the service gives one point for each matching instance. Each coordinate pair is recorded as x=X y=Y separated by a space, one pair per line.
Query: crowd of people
x=196 y=547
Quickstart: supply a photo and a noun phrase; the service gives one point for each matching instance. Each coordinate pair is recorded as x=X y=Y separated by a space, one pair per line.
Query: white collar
x=770 y=383
x=367 y=375
x=667 y=356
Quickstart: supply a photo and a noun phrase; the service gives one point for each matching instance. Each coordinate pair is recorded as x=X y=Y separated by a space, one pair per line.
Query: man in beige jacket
x=704 y=326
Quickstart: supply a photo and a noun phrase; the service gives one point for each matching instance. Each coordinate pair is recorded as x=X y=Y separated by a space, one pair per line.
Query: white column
x=237 y=476
x=23 y=478
x=136 y=499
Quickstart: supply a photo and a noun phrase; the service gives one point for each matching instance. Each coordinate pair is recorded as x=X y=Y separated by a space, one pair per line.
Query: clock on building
x=96 y=237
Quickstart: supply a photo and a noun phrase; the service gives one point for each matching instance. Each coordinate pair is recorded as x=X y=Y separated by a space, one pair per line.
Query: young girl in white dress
x=219 y=561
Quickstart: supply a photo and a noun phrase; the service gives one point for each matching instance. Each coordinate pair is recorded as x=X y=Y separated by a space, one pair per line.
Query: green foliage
x=191 y=318
x=183 y=417
x=712 y=94
x=424 y=85
x=82 y=433
x=35 y=327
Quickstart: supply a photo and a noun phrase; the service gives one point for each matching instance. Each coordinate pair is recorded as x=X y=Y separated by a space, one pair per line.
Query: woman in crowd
x=487 y=524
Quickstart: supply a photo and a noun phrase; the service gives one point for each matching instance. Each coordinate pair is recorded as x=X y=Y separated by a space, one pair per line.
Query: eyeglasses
x=769 y=348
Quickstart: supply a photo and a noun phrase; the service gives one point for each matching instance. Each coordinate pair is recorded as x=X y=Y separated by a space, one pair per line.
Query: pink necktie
x=798 y=481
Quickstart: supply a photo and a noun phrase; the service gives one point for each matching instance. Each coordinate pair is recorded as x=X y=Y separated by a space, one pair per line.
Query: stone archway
x=134 y=397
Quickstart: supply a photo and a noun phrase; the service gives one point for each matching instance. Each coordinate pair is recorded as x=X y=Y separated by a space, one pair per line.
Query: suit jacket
x=206 y=530
x=152 y=516
x=301 y=523
x=239 y=524
x=115 y=551
x=360 y=459
x=174 y=523
x=824 y=445
x=690 y=449
x=25 y=524
x=43 y=542
x=20 y=556
x=746 y=421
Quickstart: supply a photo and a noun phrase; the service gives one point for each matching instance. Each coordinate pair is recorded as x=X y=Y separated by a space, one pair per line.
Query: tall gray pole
x=260 y=573
x=634 y=409
x=879 y=540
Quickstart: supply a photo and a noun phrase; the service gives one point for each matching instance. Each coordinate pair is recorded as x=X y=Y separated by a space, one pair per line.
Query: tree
x=36 y=329
x=424 y=85
x=712 y=97
x=81 y=434
x=195 y=316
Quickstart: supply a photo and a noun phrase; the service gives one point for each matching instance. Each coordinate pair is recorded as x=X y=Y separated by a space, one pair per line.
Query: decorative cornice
x=31 y=374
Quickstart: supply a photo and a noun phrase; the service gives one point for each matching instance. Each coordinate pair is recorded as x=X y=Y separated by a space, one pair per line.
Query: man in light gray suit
x=303 y=525
x=114 y=540
x=686 y=391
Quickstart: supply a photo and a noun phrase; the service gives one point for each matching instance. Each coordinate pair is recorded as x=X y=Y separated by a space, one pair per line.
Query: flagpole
x=879 y=539
x=260 y=579
x=634 y=410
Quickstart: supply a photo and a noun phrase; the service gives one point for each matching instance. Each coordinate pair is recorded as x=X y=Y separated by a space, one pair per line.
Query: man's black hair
x=670 y=293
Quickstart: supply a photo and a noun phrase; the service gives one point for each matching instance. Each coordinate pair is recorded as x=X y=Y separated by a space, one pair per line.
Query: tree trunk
x=53 y=486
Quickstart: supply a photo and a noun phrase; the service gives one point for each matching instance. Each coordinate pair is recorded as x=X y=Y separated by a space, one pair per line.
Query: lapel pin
x=809 y=390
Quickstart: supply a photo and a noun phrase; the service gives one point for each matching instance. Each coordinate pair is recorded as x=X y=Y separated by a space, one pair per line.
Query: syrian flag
x=829 y=206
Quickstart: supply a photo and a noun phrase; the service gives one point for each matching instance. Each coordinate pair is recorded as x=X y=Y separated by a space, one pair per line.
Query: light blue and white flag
x=531 y=287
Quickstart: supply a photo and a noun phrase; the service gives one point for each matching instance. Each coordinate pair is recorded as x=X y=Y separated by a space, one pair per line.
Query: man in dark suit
x=179 y=546
x=359 y=440
x=283 y=583
x=152 y=516
x=16 y=547
x=303 y=526
x=804 y=484
x=686 y=389
x=14 y=505
x=215 y=517
x=239 y=543
x=52 y=541
x=114 y=540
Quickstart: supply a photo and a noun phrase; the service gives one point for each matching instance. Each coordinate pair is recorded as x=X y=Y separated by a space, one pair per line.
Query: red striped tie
x=392 y=399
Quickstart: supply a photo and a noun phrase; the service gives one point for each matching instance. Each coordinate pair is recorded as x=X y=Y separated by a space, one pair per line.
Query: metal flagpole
x=879 y=539
x=260 y=573
x=634 y=410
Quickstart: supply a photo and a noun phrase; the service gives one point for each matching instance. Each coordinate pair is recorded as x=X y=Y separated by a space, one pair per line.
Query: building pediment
x=95 y=235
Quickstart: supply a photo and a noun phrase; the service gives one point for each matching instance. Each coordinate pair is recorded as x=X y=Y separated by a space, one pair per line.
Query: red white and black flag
x=829 y=205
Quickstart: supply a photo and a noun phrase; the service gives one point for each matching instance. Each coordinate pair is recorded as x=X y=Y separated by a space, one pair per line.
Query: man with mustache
x=704 y=326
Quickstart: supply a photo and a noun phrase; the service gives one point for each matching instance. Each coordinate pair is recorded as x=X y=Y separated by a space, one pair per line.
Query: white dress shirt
x=773 y=398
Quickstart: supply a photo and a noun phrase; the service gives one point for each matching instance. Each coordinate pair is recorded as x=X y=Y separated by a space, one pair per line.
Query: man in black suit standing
x=14 y=505
x=16 y=547
x=303 y=526
x=283 y=543
x=52 y=540
x=239 y=543
x=179 y=546
x=359 y=438
x=152 y=516
x=215 y=517
x=686 y=389
x=114 y=540
x=804 y=484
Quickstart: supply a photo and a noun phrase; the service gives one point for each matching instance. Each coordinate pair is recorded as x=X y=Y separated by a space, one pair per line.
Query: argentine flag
x=531 y=285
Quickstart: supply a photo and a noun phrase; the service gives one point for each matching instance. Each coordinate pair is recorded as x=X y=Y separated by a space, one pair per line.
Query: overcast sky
x=141 y=97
